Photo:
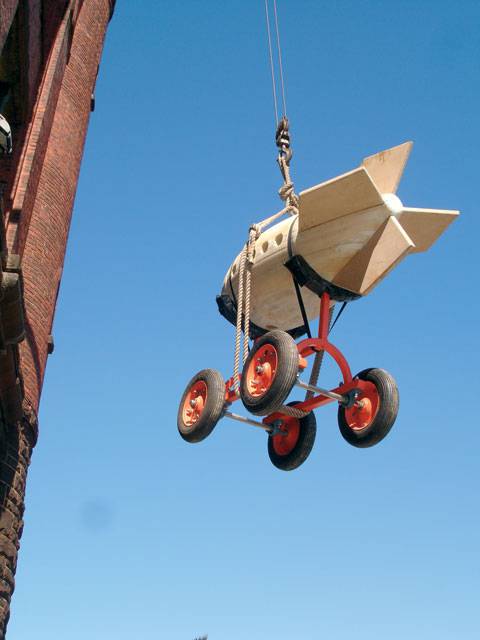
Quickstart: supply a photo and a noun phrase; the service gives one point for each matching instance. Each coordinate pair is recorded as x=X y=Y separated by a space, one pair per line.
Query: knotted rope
x=247 y=259
x=247 y=255
x=243 y=303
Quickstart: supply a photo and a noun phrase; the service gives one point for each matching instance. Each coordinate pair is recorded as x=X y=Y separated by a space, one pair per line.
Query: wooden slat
x=346 y=194
x=381 y=253
x=424 y=226
x=386 y=167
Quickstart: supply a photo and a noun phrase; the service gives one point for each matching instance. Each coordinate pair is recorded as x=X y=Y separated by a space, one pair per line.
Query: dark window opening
x=5 y=96
x=10 y=90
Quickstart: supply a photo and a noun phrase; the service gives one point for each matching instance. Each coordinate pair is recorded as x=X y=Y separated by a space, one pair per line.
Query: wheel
x=289 y=451
x=365 y=426
x=269 y=373
x=201 y=406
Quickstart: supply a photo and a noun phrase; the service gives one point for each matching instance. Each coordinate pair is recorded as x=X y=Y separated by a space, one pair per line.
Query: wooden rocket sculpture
x=342 y=238
x=349 y=234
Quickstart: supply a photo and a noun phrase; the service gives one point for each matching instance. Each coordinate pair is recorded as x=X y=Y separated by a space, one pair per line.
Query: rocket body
x=348 y=232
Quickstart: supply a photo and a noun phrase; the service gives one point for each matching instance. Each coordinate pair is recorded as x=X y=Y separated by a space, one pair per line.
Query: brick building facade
x=49 y=56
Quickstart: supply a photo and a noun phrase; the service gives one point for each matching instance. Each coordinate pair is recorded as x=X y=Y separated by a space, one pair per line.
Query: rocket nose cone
x=393 y=203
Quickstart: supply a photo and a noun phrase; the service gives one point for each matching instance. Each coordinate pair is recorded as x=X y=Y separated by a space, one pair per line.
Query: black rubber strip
x=341 y=310
x=308 y=277
x=306 y=324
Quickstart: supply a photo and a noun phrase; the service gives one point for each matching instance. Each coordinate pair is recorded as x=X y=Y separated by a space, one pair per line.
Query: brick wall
x=7 y=12
x=44 y=249
x=36 y=141
x=59 y=48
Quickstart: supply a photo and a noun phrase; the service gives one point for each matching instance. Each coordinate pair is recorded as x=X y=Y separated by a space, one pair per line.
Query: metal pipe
x=322 y=392
x=254 y=423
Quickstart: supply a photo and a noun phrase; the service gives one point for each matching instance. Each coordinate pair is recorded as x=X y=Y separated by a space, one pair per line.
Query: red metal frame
x=311 y=345
x=306 y=348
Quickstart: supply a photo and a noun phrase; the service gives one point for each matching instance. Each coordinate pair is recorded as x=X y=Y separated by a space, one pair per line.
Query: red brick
x=41 y=180
x=7 y=13
x=44 y=250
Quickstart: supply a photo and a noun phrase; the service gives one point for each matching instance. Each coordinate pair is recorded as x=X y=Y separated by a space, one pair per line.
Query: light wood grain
x=424 y=226
x=386 y=167
x=381 y=253
x=346 y=232
x=350 y=192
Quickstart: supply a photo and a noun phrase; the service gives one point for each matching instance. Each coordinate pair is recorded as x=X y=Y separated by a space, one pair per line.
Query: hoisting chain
x=287 y=190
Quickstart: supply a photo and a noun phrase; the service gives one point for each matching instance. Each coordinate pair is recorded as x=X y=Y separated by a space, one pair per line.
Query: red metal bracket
x=306 y=348
x=313 y=345
x=230 y=394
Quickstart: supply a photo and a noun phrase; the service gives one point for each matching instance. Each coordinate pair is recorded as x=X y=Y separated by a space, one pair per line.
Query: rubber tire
x=285 y=378
x=386 y=414
x=212 y=411
x=303 y=448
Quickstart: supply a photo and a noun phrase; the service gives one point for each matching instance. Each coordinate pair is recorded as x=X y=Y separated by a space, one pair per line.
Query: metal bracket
x=351 y=398
x=276 y=428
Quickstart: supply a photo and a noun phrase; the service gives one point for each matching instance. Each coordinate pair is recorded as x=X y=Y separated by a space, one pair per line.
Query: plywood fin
x=424 y=226
x=382 y=252
x=341 y=196
x=386 y=167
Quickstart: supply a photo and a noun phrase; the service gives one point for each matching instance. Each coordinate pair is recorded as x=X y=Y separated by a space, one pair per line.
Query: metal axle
x=254 y=423
x=323 y=392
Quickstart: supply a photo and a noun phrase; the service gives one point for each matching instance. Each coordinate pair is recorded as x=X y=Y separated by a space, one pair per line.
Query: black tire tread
x=213 y=410
x=285 y=377
x=387 y=412
x=308 y=432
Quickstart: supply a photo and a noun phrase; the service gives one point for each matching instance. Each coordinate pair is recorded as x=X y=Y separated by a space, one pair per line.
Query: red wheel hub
x=262 y=370
x=194 y=403
x=363 y=412
x=284 y=443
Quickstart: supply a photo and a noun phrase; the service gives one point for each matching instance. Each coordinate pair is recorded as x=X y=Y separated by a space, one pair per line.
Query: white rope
x=287 y=190
x=247 y=257
x=244 y=293
x=288 y=195
x=253 y=234
x=293 y=411
x=238 y=329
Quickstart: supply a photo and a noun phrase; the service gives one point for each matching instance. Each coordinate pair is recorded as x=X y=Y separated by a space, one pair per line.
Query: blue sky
x=129 y=531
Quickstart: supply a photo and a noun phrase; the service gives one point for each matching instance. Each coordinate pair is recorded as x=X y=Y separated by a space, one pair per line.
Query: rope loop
x=288 y=195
